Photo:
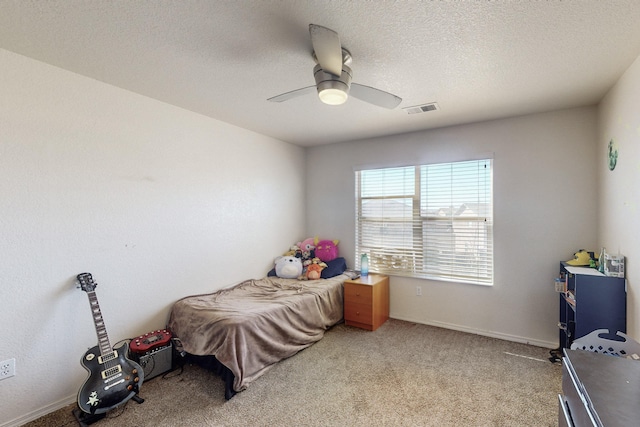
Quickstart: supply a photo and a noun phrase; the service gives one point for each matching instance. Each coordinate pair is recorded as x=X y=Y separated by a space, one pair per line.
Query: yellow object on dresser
x=366 y=301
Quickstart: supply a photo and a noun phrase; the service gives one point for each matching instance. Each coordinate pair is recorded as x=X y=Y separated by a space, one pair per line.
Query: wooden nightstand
x=366 y=301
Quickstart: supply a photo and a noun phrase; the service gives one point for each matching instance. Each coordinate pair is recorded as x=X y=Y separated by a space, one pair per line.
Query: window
x=432 y=221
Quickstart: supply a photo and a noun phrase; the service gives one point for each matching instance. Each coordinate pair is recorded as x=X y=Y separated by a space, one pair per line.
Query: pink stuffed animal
x=307 y=245
x=306 y=248
x=326 y=250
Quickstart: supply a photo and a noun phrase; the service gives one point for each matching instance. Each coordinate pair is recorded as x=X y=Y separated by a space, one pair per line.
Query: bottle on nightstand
x=364 y=265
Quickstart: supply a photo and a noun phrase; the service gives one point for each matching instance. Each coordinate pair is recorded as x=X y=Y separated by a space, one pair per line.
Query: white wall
x=158 y=203
x=619 y=190
x=155 y=201
x=544 y=207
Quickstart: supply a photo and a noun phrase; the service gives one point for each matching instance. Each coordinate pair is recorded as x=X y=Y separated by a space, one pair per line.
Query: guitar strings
x=106 y=351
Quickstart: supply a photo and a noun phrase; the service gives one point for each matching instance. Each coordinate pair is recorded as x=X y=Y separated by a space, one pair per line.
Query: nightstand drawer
x=361 y=313
x=359 y=294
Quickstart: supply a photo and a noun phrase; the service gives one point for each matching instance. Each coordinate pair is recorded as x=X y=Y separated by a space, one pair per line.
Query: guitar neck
x=101 y=329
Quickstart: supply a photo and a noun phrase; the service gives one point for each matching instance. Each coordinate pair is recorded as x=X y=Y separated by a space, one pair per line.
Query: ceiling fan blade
x=327 y=48
x=374 y=96
x=293 y=94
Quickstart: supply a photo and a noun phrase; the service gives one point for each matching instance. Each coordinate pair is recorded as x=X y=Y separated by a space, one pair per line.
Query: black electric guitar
x=113 y=377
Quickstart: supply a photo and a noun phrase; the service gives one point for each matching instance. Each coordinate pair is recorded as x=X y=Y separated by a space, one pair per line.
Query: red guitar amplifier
x=149 y=341
x=153 y=351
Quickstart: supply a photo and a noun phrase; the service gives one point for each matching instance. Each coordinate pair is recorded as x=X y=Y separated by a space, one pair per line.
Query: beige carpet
x=403 y=374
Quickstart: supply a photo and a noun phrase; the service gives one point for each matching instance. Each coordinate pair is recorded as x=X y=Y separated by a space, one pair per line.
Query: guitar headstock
x=86 y=282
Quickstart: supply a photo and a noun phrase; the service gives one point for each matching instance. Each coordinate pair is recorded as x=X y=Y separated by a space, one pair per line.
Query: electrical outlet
x=419 y=291
x=7 y=368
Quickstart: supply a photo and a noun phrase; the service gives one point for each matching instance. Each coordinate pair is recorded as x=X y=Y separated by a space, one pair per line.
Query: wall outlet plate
x=7 y=368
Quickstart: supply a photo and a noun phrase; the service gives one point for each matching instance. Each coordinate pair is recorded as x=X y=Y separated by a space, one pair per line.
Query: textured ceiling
x=478 y=60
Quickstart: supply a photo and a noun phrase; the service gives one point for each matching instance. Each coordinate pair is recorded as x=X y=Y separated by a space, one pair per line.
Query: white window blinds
x=431 y=221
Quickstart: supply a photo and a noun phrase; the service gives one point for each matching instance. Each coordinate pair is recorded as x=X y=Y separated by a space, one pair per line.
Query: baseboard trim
x=34 y=415
x=491 y=334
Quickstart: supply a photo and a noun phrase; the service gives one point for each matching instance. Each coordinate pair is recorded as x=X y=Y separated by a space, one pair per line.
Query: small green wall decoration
x=613 y=155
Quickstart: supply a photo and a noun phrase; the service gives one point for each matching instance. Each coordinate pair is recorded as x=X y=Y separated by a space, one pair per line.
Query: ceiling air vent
x=433 y=106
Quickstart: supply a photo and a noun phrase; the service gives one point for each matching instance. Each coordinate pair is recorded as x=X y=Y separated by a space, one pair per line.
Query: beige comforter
x=257 y=323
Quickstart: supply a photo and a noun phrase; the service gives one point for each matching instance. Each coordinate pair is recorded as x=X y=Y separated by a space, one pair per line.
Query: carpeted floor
x=403 y=374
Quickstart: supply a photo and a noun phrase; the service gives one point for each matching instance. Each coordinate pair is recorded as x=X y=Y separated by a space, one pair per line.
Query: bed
x=240 y=332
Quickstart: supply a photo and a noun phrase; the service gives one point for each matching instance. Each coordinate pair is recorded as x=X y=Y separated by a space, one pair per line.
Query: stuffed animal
x=288 y=267
x=294 y=251
x=306 y=248
x=581 y=257
x=307 y=244
x=313 y=271
x=326 y=250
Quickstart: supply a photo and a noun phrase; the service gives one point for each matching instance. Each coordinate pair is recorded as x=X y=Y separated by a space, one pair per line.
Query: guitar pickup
x=111 y=372
x=108 y=357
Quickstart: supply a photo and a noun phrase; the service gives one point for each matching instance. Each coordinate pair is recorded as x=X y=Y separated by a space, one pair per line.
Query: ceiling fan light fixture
x=333 y=95
x=333 y=82
x=332 y=89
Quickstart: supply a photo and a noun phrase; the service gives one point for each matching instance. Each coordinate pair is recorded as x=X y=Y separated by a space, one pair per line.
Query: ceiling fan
x=333 y=74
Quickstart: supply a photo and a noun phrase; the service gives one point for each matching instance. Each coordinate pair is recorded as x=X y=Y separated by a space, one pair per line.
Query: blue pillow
x=334 y=268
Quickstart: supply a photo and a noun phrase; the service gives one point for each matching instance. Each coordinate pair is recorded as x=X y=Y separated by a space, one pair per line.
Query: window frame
x=414 y=261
